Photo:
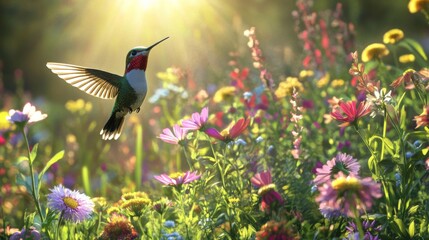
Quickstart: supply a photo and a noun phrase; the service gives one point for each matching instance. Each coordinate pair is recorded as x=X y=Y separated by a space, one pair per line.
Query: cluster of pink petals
x=230 y=132
x=28 y=115
x=197 y=120
x=341 y=163
x=173 y=137
x=347 y=201
x=177 y=181
x=348 y=113
x=261 y=179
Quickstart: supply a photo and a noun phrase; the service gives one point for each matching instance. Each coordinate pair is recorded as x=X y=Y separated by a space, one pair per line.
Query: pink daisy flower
x=231 y=132
x=173 y=137
x=348 y=194
x=197 y=120
x=177 y=179
x=266 y=189
x=348 y=113
x=341 y=163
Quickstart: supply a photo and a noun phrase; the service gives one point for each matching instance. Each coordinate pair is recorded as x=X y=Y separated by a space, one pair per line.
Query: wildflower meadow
x=333 y=147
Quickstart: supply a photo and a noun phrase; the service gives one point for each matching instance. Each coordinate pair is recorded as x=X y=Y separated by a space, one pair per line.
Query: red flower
x=238 y=77
x=231 y=132
x=349 y=114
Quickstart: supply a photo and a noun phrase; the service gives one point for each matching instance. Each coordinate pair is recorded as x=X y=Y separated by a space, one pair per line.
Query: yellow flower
x=224 y=93
x=416 y=5
x=375 y=50
x=286 y=87
x=337 y=83
x=78 y=106
x=323 y=81
x=136 y=206
x=306 y=73
x=132 y=195
x=4 y=123
x=170 y=75
x=407 y=58
x=392 y=36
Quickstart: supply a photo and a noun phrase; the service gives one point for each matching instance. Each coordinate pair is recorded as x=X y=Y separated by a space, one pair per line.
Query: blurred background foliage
x=99 y=34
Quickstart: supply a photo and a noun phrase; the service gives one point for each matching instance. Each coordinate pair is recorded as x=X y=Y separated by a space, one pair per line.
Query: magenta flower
x=349 y=114
x=28 y=115
x=266 y=189
x=261 y=179
x=341 y=163
x=197 y=120
x=177 y=179
x=348 y=194
x=231 y=132
x=175 y=137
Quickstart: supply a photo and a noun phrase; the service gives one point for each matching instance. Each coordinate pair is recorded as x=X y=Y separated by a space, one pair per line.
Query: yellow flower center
x=343 y=184
x=70 y=202
x=176 y=175
x=266 y=188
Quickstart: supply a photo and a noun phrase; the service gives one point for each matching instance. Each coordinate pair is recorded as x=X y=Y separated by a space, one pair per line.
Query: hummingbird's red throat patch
x=138 y=62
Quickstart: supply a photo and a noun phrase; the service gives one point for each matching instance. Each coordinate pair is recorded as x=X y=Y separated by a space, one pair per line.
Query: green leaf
x=401 y=226
x=403 y=118
x=412 y=46
x=53 y=160
x=33 y=153
x=413 y=210
x=21 y=159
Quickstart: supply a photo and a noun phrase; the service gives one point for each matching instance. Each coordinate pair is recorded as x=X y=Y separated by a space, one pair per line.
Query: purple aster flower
x=349 y=194
x=73 y=205
x=31 y=233
x=341 y=163
x=28 y=115
x=173 y=137
x=370 y=231
x=197 y=120
x=177 y=179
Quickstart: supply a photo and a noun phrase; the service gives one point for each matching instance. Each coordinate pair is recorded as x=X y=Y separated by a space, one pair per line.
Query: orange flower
x=422 y=119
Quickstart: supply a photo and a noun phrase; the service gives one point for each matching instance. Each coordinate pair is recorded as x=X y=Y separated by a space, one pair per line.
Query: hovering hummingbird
x=129 y=90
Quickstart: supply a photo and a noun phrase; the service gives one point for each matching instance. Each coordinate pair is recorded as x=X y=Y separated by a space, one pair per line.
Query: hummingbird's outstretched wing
x=92 y=81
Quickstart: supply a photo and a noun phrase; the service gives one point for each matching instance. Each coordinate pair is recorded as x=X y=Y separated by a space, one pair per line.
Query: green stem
x=358 y=222
x=58 y=225
x=187 y=158
x=33 y=183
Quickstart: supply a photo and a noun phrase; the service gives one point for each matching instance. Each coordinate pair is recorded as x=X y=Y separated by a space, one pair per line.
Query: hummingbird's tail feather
x=113 y=127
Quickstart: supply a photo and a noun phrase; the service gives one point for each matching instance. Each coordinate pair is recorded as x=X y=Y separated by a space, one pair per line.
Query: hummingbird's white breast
x=137 y=80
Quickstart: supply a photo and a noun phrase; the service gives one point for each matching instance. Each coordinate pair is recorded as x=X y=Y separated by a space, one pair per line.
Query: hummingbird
x=130 y=90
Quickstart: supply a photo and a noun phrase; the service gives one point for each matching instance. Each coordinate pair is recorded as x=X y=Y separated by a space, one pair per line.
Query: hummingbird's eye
x=133 y=53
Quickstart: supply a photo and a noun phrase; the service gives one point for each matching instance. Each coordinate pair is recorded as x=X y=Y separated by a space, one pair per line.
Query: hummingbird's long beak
x=153 y=45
